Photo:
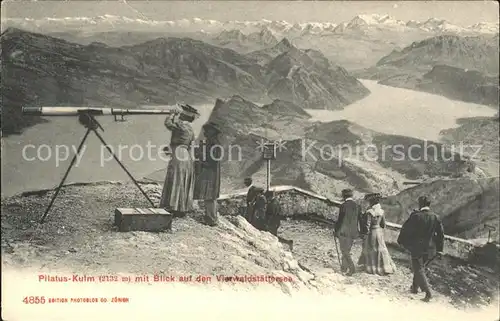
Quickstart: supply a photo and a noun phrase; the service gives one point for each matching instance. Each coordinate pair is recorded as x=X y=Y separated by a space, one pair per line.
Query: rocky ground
x=79 y=236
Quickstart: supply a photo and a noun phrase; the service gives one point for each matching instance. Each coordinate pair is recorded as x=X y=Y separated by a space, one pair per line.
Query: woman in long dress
x=377 y=259
x=208 y=173
x=177 y=195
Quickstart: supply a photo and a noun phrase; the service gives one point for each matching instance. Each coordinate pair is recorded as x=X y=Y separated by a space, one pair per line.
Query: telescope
x=98 y=111
x=411 y=183
x=86 y=117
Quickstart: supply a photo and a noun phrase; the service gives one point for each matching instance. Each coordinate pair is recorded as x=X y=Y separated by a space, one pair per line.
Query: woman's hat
x=189 y=111
x=373 y=197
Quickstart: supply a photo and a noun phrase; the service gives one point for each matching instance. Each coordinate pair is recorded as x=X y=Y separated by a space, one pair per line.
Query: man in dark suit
x=273 y=212
x=423 y=235
x=253 y=192
x=347 y=229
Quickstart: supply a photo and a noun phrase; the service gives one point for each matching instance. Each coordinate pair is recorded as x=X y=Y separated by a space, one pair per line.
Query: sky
x=463 y=13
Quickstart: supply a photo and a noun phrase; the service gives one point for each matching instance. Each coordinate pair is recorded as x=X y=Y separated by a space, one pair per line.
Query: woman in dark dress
x=208 y=173
x=177 y=195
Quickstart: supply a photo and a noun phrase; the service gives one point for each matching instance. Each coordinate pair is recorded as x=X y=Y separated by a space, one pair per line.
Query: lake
x=404 y=112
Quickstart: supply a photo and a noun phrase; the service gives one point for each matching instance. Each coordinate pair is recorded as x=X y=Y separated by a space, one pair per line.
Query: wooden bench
x=142 y=219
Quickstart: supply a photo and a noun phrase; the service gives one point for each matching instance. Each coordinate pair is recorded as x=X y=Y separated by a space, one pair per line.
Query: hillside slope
x=478 y=131
x=475 y=53
x=481 y=137
x=461 y=68
x=461 y=84
x=42 y=70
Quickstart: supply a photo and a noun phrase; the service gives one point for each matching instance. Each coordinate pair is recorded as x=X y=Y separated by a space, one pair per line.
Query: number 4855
x=34 y=300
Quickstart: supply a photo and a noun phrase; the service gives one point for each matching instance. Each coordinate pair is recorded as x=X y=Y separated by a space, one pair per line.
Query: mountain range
x=42 y=70
x=354 y=44
x=459 y=67
x=359 y=22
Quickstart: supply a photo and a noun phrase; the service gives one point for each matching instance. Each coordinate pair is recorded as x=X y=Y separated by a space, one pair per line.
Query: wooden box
x=142 y=219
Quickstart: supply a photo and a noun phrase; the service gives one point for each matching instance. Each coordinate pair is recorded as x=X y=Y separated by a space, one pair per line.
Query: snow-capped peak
x=484 y=27
x=373 y=20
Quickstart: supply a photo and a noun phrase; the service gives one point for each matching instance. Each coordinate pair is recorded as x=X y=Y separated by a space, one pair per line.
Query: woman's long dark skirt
x=177 y=195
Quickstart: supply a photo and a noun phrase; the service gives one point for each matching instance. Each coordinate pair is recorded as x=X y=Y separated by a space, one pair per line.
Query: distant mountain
x=315 y=28
x=119 y=38
x=198 y=65
x=365 y=21
x=462 y=68
x=477 y=53
x=264 y=37
x=236 y=40
x=264 y=56
x=228 y=36
x=42 y=70
x=309 y=79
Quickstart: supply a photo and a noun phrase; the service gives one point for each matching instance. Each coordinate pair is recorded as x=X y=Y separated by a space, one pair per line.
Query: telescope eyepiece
x=33 y=111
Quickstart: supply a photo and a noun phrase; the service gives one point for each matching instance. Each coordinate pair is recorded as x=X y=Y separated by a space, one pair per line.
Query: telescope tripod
x=88 y=121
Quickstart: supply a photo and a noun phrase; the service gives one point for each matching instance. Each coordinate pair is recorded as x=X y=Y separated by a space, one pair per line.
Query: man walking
x=347 y=229
x=423 y=235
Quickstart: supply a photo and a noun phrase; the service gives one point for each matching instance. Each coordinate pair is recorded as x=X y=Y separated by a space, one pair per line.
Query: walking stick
x=426 y=264
x=337 y=248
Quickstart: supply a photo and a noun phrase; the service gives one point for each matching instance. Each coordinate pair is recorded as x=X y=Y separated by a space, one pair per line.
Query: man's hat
x=424 y=200
x=347 y=193
x=189 y=111
x=212 y=125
